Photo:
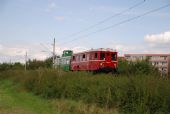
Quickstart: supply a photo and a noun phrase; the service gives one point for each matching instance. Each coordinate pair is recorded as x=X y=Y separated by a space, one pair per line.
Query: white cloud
x=50 y=7
x=79 y=49
x=60 y=18
x=162 y=38
x=158 y=43
x=126 y=48
x=1 y=47
x=155 y=51
x=11 y=51
x=12 y=54
x=16 y=53
x=141 y=48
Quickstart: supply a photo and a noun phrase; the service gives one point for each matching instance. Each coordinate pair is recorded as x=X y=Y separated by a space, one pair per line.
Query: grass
x=81 y=92
x=15 y=100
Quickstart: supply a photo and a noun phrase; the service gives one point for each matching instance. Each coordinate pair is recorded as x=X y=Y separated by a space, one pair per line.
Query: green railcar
x=64 y=61
x=67 y=53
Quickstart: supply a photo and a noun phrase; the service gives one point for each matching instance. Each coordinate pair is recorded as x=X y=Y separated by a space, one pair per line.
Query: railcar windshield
x=102 y=56
x=96 y=55
x=114 y=57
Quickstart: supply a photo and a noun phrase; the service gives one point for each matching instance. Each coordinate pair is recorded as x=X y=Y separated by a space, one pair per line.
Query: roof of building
x=146 y=54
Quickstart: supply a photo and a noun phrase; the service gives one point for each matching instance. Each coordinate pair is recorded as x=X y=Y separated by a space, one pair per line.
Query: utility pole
x=54 y=54
x=26 y=61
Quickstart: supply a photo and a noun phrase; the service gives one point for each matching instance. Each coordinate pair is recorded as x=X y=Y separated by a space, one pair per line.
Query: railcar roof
x=100 y=49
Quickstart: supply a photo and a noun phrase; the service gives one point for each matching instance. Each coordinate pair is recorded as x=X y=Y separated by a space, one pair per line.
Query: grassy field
x=55 y=91
x=15 y=100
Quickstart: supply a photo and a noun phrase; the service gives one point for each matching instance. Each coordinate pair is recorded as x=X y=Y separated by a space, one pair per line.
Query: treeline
x=36 y=64
x=11 y=66
x=138 y=67
x=30 y=65
x=124 y=67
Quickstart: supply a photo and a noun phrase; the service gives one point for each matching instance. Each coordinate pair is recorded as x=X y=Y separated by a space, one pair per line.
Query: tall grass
x=15 y=100
x=140 y=93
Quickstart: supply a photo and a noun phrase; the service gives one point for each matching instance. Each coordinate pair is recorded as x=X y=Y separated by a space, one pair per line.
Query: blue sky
x=26 y=24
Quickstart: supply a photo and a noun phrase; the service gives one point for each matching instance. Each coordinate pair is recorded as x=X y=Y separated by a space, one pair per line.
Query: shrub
x=138 y=67
x=140 y=93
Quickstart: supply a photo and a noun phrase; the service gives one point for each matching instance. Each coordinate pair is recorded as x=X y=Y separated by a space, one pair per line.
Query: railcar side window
x=102 y=56
x=78 y=58
x=95 y=56
x=88 y=57
x=113 y=57
x=67 y=61
x=81 y=57
x=73 y=58
x=84 y=56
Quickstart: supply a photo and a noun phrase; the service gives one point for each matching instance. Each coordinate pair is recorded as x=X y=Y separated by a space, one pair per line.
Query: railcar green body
x=64 y=61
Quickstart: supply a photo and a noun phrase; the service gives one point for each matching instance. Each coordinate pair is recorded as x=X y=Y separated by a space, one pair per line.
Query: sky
x=31 y=25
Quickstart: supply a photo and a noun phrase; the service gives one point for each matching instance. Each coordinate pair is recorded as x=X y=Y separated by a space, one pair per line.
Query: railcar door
x=108 y=57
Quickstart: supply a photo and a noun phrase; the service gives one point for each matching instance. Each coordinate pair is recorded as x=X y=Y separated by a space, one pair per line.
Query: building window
x=153 y=63
x=165 y=58
x=149 y=57
x=164 y=63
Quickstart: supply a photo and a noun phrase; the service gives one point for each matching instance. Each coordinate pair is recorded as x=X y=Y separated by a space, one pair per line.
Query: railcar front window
x=113 y=57
x=102 y=56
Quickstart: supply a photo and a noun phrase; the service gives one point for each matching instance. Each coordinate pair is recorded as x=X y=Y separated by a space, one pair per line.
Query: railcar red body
x=95 y=60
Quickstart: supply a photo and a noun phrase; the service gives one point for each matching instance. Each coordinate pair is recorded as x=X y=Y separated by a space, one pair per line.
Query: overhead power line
x=119 y=23
x=106 y=19
x=47 y=49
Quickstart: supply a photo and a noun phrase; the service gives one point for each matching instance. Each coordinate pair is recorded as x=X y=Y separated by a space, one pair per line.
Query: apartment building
x=160 y=61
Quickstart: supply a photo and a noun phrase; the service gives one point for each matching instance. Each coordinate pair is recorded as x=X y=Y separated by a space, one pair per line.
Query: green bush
x=140 y=93
x=11 y=66
x=135 y=68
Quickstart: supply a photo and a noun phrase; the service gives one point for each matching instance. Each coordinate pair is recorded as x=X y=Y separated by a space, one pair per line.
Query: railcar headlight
x=101 y=64
x=115 y=65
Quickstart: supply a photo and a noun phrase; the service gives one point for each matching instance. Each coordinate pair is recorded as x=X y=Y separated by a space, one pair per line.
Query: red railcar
x=95 y=60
